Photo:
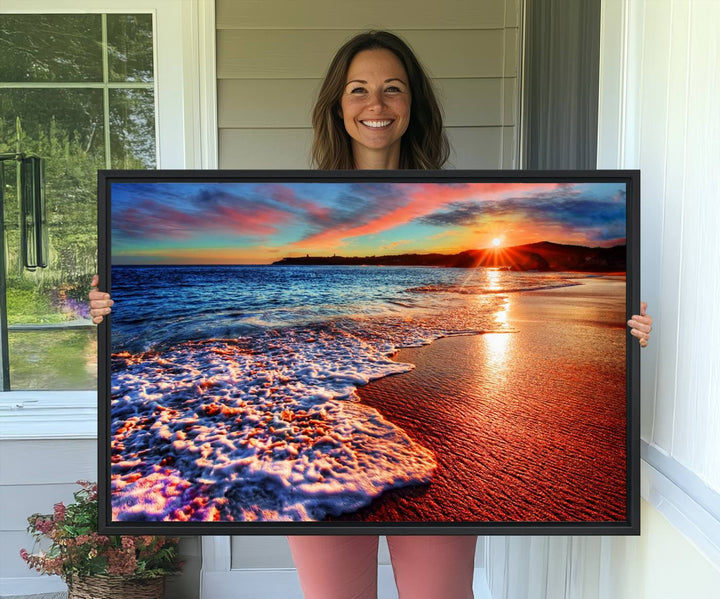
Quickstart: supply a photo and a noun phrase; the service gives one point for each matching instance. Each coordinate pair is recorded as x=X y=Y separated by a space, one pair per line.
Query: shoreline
x=526 y=425
x=469 y=429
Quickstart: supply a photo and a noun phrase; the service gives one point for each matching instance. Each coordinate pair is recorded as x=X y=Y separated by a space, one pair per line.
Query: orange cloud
x=423 y=199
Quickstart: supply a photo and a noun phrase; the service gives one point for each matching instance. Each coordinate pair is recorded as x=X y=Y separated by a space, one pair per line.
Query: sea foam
x=267 y=428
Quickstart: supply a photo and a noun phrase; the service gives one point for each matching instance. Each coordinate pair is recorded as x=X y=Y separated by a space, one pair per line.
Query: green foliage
x=54 y=359
x=26 y=303
x=66 y=127
x=70 y=193
x=49 y=47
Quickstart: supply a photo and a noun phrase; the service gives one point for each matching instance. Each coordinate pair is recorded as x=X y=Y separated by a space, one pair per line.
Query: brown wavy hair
x=423 y=146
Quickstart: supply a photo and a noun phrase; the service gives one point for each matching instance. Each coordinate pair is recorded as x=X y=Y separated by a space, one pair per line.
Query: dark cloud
x=162 y=211
x=565 y=207
x=357 y=205
x=602 y=218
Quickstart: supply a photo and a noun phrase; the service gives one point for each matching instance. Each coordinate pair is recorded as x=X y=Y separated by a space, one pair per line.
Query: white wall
x=34 y=475
x=659 y=90
x=670 y=129
x=660 y=564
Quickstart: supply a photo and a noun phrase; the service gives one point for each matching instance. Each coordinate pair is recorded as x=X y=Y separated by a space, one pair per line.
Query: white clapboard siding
x=471 y=148
x=266 y=103
x=19 y=501
x=475 y=147
x=35 y=475
x=47 y=461
x=511 y=140
x=264 y=148
x=253 y=54
x=401 y=14
x=288 y=103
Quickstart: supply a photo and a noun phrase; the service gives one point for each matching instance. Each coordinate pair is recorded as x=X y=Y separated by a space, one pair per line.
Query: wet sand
x=527 y=424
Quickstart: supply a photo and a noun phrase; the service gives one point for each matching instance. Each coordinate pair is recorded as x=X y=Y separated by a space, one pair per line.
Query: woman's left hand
x=641 y=325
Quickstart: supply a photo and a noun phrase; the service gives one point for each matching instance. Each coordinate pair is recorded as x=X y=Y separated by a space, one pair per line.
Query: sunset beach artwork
x=360 y=351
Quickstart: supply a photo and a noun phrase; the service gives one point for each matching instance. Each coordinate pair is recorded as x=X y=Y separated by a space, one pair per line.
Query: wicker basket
x=116 y=587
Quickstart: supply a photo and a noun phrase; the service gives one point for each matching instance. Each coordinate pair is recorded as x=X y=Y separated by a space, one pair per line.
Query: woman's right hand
x=641 y=325
x=100 y=302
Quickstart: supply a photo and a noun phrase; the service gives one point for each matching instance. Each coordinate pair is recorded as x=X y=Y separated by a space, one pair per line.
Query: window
x=186 y=125
x=78 y=91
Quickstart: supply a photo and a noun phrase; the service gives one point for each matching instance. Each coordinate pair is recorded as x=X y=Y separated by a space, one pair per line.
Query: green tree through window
x=77 y=90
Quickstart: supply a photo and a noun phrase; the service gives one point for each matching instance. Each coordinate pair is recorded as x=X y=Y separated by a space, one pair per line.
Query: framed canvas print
x=385 y=352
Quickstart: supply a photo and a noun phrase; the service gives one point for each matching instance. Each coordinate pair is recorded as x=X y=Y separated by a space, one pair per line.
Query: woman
x=377 y=110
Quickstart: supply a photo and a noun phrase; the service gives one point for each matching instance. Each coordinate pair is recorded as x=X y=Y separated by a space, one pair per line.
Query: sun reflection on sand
x=498 y=343
x=501 y=316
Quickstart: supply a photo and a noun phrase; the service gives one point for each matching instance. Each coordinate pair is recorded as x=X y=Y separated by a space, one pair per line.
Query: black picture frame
x=588 y=211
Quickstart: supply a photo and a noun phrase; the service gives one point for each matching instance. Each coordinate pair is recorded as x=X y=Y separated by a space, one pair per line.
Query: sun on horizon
x=496 y=242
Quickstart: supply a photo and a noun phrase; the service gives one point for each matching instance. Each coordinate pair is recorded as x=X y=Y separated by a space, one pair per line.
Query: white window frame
x=186 y=130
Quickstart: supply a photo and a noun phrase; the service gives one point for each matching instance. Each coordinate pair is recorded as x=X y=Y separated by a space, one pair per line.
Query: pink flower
x=128 y=543
x=121 y=562
x=59 y=511
x=44 y=526
x=70 y=554
x=53 y=565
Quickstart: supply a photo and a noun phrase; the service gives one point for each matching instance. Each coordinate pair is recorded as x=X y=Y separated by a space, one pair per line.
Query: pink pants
x=336 y=567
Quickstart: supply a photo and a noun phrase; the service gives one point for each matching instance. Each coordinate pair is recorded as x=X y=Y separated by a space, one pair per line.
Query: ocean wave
x=481 y=290
x=267 y=427
x=232 y=302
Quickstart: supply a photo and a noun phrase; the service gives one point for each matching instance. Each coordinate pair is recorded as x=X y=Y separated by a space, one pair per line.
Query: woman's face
x=375 y=104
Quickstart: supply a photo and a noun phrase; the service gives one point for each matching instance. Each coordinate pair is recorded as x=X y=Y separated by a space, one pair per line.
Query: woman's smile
x=377 y=124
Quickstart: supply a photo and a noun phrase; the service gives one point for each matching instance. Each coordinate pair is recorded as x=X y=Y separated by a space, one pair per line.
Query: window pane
x=130 y=47
x=52 y=341
x=65 y=127
x=132 y=128
x=50 y=48
x=49 y=117
x=54 y=359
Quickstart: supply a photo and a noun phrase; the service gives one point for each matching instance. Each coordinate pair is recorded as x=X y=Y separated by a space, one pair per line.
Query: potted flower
x=95 y=566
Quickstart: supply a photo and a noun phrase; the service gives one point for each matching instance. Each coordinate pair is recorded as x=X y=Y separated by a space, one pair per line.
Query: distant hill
x=542 y=256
